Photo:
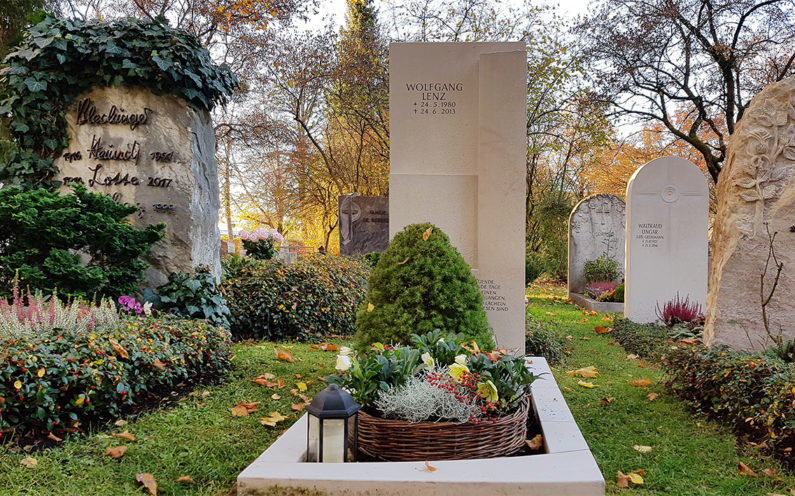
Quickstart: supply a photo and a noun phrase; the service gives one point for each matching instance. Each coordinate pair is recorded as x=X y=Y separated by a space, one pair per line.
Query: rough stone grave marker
x=756 y=196
x=596 y=228
x=458 y=149
x=157 y=153
x=363 y=224
x=666 y=238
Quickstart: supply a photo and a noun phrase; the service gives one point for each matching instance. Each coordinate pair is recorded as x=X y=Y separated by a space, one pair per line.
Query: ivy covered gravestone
x=122 y=108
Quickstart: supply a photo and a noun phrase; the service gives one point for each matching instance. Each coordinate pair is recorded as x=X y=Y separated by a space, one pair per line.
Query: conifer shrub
x=421 y=283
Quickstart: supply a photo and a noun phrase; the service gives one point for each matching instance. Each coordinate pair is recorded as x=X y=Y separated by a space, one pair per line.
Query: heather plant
x=421 y=283
x=32 y=315
x=678 y=311
x=603 y=268
x=260 y=243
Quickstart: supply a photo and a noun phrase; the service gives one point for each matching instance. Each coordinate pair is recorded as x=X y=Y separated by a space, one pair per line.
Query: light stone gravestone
x=596 y=228
x=756 y=198
x=159 y=154
x=666 y=238
x=363 y=224
x=458 y=152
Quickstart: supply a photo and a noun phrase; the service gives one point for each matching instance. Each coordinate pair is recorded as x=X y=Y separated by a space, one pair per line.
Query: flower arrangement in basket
x=437 y=399
x=260 y=243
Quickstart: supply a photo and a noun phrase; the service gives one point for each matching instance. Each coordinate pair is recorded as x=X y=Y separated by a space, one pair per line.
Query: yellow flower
x=461 y=360
x=17 y=385
x=457 y=371
x=488 y=391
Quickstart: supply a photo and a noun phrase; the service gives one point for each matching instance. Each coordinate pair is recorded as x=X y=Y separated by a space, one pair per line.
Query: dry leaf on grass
x=284 y=355
x=635 y=478
x=370 y=307
x=148 y=481
x=632 y=356
x=116 y=452
x=552 y=314
x=586 y=372
x=28 y=462
x=640 y=382
x=569 y=338
x=588 y=385
x=536 y=443
x=584 y=319
x=622 y=481
x=120 y=423
x=185 y=478
x=273 y=419
x=652 y=396
x=207 y=393
x=53 y=437
x=607 y=401
x=746 y=470
x=297 y=407
x=275 y=396
x=607 y=318
x=585 y=338
x=602 y=329
x=301 y=386
x=770 y=472
x=642 y=449
x=125 y=435
x=243 y=408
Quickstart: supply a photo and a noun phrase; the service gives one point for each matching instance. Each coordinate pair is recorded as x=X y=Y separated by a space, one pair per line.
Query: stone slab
x=756 y=198
x=458 y=152
x=666 y=238
x=566 y=469
x=596 y=306
x=363 y=224
x=164 y=163
x=596 y=228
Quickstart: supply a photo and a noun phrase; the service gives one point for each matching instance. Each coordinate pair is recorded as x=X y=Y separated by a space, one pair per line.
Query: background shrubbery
x=318 y=295
x=753 y=392
x=56 y=379
x=545 y=340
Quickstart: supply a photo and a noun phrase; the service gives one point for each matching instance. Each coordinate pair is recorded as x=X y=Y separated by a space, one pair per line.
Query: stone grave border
x=566 y=469
x=596 y=306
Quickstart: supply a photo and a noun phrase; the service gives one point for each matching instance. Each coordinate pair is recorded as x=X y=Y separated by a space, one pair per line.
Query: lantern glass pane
x=334 y=440
x=313 y=446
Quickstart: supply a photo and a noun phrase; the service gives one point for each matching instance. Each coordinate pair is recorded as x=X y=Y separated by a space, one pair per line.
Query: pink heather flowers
x=260 y=234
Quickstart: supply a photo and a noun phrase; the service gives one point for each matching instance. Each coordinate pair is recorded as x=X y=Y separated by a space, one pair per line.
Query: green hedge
x=647 y=340
x=316 y=296
x=56 y=379
x=754 y=393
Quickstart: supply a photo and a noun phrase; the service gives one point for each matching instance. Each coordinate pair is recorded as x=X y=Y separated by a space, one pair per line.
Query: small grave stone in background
x=363 y=224
x=155 y=152
x=756 y=196
x=666 y=237
x=596 y=228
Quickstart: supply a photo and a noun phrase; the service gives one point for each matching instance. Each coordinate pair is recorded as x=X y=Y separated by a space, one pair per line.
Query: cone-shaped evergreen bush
x=421 y=283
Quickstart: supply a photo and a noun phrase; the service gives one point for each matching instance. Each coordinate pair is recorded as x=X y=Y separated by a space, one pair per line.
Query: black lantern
x=332 y=426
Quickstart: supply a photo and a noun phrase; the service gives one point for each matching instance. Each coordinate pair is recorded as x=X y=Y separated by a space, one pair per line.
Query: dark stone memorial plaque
x=364 y=224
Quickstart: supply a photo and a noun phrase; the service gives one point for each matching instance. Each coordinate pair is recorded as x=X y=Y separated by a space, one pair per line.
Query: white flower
x=461 y=360
x=148 y=308
x=488 y=391
x=345 y=351
x=441 y=340
x=428 y=359
x=343 y=363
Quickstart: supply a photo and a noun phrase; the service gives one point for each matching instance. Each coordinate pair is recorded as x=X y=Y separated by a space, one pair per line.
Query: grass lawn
x=205 y=442
x=199 y=436
x=690 y=455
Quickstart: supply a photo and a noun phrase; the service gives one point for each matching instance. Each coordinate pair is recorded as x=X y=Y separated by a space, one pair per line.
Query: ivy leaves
x=59 y=59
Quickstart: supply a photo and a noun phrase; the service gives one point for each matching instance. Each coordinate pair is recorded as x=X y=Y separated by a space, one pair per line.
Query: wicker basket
x=398 y=440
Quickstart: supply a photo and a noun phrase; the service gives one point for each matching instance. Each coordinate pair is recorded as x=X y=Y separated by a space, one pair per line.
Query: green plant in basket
x=421 y=283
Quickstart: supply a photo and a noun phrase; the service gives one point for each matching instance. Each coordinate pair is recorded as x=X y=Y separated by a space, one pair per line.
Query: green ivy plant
x=58 y=59
x=194 y=297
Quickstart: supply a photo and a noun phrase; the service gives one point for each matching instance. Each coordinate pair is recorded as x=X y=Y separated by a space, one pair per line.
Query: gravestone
x=596 y=228
x=458 y=114
x=363 y=224
x=155 y=152
x=756 y=199
x=666 y=238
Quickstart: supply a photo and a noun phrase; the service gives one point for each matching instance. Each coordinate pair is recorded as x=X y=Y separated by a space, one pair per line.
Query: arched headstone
x=756 y=199
x=666 y=239
x=596 y=228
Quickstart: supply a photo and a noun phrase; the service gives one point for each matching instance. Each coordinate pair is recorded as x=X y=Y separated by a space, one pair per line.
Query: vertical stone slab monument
x=363 y=224
x=666 y=239
x=458 y=151
x=159 y=154
x=756 y=199
x=596 y=228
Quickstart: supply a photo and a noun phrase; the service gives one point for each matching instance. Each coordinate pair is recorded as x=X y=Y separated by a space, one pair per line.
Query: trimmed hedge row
x=58 y=379
x=752 y=392
x=316 y=296
x=647 y=340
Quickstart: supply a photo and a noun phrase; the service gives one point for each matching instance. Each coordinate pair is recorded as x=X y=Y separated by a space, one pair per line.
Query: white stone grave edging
x=566 y=469
x=583 y=301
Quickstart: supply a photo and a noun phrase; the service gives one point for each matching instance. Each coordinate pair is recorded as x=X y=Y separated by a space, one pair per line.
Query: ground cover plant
x=543 y=338
x=315 y=297
x=59 y=380
x=421 y=283
x=193 y=296
x=632 y=422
